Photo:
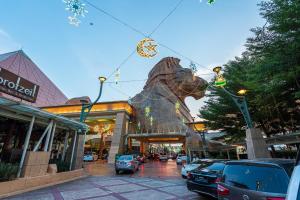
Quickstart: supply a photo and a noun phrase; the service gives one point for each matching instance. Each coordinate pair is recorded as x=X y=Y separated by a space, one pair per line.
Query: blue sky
x=73 y=57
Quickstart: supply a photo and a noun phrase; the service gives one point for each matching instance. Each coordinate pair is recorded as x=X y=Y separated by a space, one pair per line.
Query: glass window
x=216 y=167
x=258 y=178
x=128 y=157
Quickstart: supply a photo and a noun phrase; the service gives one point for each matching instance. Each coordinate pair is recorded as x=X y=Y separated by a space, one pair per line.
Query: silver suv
x=266 y=179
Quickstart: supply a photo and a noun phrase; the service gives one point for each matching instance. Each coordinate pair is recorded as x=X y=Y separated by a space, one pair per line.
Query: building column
x=117 y=143
x=25 y=146
x=73 y=150
x=256 y=145
x=129 y=140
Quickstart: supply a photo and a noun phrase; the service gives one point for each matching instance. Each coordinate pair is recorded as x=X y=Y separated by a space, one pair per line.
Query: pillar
x=117 y=143
x=25 y=146
x=256 y=145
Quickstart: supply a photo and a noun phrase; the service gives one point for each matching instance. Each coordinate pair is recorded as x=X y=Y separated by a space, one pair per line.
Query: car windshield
x=125 y=157
x=258 y=178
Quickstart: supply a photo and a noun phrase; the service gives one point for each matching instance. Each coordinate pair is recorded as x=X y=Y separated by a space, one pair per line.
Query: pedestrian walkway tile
x=109 y=182
x=147 y=195
x=125 y=188
x=86 y=193
x=157 y=184
x=179 y=191
x=105 y=198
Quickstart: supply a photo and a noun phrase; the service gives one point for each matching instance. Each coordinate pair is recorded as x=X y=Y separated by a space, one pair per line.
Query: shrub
x=61 y=165
x=8 y=171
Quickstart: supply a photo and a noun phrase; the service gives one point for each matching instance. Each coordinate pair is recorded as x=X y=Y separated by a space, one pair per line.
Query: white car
x=163 y=157
x=294 y=185
x=186 y=168
x=181 y=159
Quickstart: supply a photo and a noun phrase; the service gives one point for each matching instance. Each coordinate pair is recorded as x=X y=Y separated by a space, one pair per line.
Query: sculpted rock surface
x=160 y=107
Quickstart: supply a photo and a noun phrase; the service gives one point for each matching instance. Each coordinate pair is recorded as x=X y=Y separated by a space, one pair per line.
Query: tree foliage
x=270 y=70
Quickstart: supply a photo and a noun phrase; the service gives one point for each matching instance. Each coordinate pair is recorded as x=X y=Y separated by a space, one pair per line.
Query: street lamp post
x=85 y=110
x=256 y=145
x=86 y=107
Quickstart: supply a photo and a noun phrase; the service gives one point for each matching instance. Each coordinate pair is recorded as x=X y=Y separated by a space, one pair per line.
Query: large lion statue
x=160 y=107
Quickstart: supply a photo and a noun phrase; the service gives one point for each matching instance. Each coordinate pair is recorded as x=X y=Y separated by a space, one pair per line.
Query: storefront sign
x=17 y=86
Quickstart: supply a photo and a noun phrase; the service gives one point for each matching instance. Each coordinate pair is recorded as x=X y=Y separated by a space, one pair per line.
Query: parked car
x=255 y=179
x=126 y=163
x=294 y=185
x=163 y=157
x=204 y=179
x=186 y=168
x=181 y=159
x=90 y=156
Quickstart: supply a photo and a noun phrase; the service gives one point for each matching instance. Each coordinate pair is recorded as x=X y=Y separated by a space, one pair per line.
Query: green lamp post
x=86 y=107
x=239 y=100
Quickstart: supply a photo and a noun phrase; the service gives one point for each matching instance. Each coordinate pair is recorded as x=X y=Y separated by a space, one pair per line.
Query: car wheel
x=183 y=176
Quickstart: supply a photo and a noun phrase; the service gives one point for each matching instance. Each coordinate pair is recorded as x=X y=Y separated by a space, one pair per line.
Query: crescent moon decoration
x=147 y=48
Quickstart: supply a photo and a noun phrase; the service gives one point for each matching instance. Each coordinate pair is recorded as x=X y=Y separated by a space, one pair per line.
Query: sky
x=73 y=57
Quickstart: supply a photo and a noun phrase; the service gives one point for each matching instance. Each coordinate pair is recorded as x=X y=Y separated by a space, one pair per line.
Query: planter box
x=26 y=184
x=36 y=164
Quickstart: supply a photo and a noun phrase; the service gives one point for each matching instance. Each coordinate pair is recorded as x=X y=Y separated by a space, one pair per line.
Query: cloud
x=7 y=42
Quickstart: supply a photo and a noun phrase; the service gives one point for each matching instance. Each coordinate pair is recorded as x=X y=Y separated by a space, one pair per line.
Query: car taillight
x=131 y=162
x=223 y=191
x=217 y=180
x=275 y=198
x=189 y=175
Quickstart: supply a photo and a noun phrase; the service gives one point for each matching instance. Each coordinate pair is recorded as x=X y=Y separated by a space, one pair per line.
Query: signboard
x=17 y=86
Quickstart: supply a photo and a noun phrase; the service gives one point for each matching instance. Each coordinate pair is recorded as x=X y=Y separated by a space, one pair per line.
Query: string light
x=117 y=76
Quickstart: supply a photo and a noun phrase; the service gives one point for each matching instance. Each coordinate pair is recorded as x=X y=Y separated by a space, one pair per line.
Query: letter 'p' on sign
x=17 y=86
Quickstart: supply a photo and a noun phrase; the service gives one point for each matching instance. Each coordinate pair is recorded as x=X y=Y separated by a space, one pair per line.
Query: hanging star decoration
x=147 y=48
x=177 y=106
x=211 y=1
x=74 y=21
x=147 y=111
x=77 y=9
x=117 y=76
x=193 y=67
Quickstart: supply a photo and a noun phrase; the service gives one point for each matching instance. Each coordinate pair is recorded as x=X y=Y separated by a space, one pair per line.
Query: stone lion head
x=181 y=81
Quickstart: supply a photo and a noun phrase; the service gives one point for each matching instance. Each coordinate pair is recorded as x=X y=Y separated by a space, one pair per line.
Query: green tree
x=270 y=70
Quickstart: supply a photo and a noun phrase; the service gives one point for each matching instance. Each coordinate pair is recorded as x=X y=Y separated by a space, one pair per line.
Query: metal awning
x=21 y=111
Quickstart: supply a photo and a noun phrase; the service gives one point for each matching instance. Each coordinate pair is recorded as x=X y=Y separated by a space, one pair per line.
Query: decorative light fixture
x=147 y=48
x=220 y=80
x=102 y=79
x=242 y=92
x=75 y=7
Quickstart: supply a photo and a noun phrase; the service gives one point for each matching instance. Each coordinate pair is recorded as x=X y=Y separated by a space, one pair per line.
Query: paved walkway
x=149 y=183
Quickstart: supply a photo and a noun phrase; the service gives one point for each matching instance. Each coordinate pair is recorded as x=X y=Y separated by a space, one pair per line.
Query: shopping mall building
x=36 y=116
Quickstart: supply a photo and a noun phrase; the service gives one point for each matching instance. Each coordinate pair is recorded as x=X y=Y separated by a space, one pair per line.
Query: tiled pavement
x=114 y=188
x=154 y=180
